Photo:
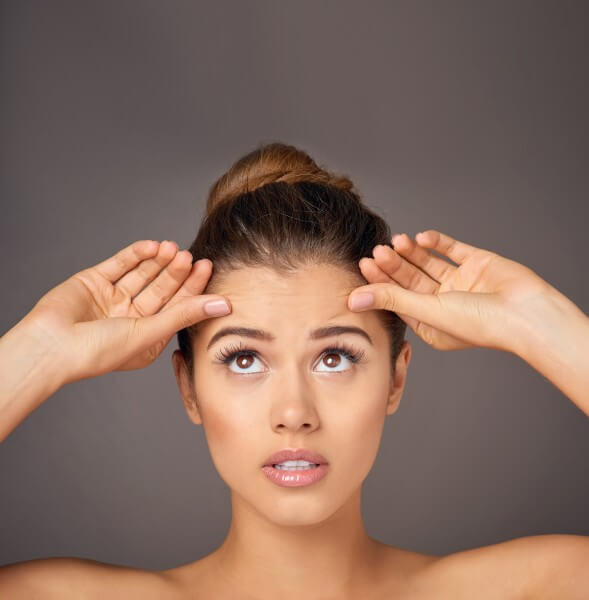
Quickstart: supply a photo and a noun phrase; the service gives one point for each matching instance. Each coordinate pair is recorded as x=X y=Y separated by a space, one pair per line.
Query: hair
x=275 y=207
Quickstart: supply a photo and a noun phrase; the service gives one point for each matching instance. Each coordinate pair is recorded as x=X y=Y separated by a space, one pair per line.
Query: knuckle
x=158 y=289
x=388 y=301
x=414 y=278
x=186 y=316
x=119 y=259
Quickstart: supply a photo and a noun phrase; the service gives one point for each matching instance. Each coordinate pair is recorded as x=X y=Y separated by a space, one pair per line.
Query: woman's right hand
x=121 y=313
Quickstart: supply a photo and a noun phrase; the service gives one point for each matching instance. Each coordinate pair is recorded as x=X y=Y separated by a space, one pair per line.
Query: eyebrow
x=316 y=334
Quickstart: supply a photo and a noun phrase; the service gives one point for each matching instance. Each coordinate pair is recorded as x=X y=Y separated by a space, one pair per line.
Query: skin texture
x=287 y=541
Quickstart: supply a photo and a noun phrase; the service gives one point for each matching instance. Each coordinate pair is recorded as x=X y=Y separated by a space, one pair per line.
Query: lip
x=296 y=478
x=295 y=454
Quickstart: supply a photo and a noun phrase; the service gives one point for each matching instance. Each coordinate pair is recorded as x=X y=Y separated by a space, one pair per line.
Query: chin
x=306 y=506
x=297 y=512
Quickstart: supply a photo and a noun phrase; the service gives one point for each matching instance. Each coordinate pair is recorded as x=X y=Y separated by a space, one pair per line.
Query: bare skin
x=489 y=289
x=513 y=570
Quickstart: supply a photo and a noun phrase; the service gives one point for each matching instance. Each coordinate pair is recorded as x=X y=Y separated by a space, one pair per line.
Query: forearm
x=555 y=342
x=28 y=376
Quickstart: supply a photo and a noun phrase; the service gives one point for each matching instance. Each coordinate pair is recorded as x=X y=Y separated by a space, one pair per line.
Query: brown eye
x=244 y=361
x=332 y=360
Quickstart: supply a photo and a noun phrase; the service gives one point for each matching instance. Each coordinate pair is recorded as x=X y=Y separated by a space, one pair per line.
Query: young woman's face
x=292 y=391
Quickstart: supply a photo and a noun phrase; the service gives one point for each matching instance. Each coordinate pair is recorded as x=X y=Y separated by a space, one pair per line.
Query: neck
x=263 y=558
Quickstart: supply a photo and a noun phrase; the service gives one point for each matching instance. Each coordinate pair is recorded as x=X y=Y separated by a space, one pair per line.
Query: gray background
x=468 y=117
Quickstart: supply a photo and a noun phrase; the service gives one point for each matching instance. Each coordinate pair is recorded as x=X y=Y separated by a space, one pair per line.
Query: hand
x=121 y=313
x=483 y=301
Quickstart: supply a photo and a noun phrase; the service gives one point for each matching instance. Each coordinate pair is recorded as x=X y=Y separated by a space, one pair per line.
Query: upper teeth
x=295 y=463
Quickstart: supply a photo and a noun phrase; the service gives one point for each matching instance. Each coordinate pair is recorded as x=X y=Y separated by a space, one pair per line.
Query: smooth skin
x=76 y=331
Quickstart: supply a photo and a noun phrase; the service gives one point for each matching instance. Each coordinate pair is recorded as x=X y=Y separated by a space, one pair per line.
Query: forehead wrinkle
x=266 y=288
x=331 y=325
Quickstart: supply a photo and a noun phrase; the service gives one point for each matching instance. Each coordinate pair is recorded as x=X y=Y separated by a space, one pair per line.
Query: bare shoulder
x=78 y=578
x=539 y=566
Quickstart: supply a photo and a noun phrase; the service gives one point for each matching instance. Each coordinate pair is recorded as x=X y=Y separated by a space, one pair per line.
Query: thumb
x=425 y=307
x=393 y=297
x=469 y=316
x=187 y=312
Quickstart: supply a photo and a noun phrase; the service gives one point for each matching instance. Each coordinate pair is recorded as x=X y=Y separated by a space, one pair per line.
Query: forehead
x=317 y=281
x=290 y=304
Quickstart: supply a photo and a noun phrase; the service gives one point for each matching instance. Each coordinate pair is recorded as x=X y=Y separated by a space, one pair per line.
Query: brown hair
x=275 y=207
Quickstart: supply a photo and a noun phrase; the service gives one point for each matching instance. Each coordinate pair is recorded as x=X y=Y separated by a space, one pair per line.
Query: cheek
x=232 y=431
x=356 y=422
x=360 y=427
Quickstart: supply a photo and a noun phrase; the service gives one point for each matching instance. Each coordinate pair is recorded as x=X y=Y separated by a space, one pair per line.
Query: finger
x=166 y=323
x=430 y=309
x=436 y=269
x=164 y=286
x=128 y=258
x=374 y=274
x=197 y=280
x=193 y=285
x=135 y=280
x=446 y=245
x=402 y=271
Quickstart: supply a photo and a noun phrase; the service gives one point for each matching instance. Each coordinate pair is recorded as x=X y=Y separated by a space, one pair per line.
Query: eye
x=332 y=357
x=244 y=359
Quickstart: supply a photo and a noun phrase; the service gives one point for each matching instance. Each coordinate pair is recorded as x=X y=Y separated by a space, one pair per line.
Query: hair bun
x=270 y=163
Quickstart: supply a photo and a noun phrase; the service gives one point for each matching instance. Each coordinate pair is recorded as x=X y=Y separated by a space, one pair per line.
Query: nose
x=294 y=407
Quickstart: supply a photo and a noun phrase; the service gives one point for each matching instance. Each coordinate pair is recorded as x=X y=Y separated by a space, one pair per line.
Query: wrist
x=554 y=339
x=550 y=322
x=28 y=376
x=39 y=349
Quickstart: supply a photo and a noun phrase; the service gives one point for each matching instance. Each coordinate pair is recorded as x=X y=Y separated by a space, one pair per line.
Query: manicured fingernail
x=361 y=300
x=216 y=308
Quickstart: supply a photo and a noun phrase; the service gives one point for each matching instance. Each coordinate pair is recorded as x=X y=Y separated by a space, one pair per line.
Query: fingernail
x=361 y=300
x=216 y=308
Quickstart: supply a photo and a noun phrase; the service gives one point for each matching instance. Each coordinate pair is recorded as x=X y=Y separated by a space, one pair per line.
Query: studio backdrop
x=467 y=117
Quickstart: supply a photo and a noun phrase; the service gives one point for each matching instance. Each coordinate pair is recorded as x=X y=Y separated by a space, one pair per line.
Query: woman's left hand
x=485 y=300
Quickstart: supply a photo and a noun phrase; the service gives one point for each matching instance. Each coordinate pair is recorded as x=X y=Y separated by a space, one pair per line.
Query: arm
x=28 y=376
x=117 y=315
x=555 y=342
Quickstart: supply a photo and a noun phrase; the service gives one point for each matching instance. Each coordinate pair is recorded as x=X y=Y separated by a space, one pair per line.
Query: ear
x=399 y=379
x=186 y=387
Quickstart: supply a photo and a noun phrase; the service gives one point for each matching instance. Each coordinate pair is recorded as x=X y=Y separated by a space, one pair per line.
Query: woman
x=287 y=354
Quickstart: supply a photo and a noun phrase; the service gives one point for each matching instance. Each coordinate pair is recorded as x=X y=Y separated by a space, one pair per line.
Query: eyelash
x=228 y=354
